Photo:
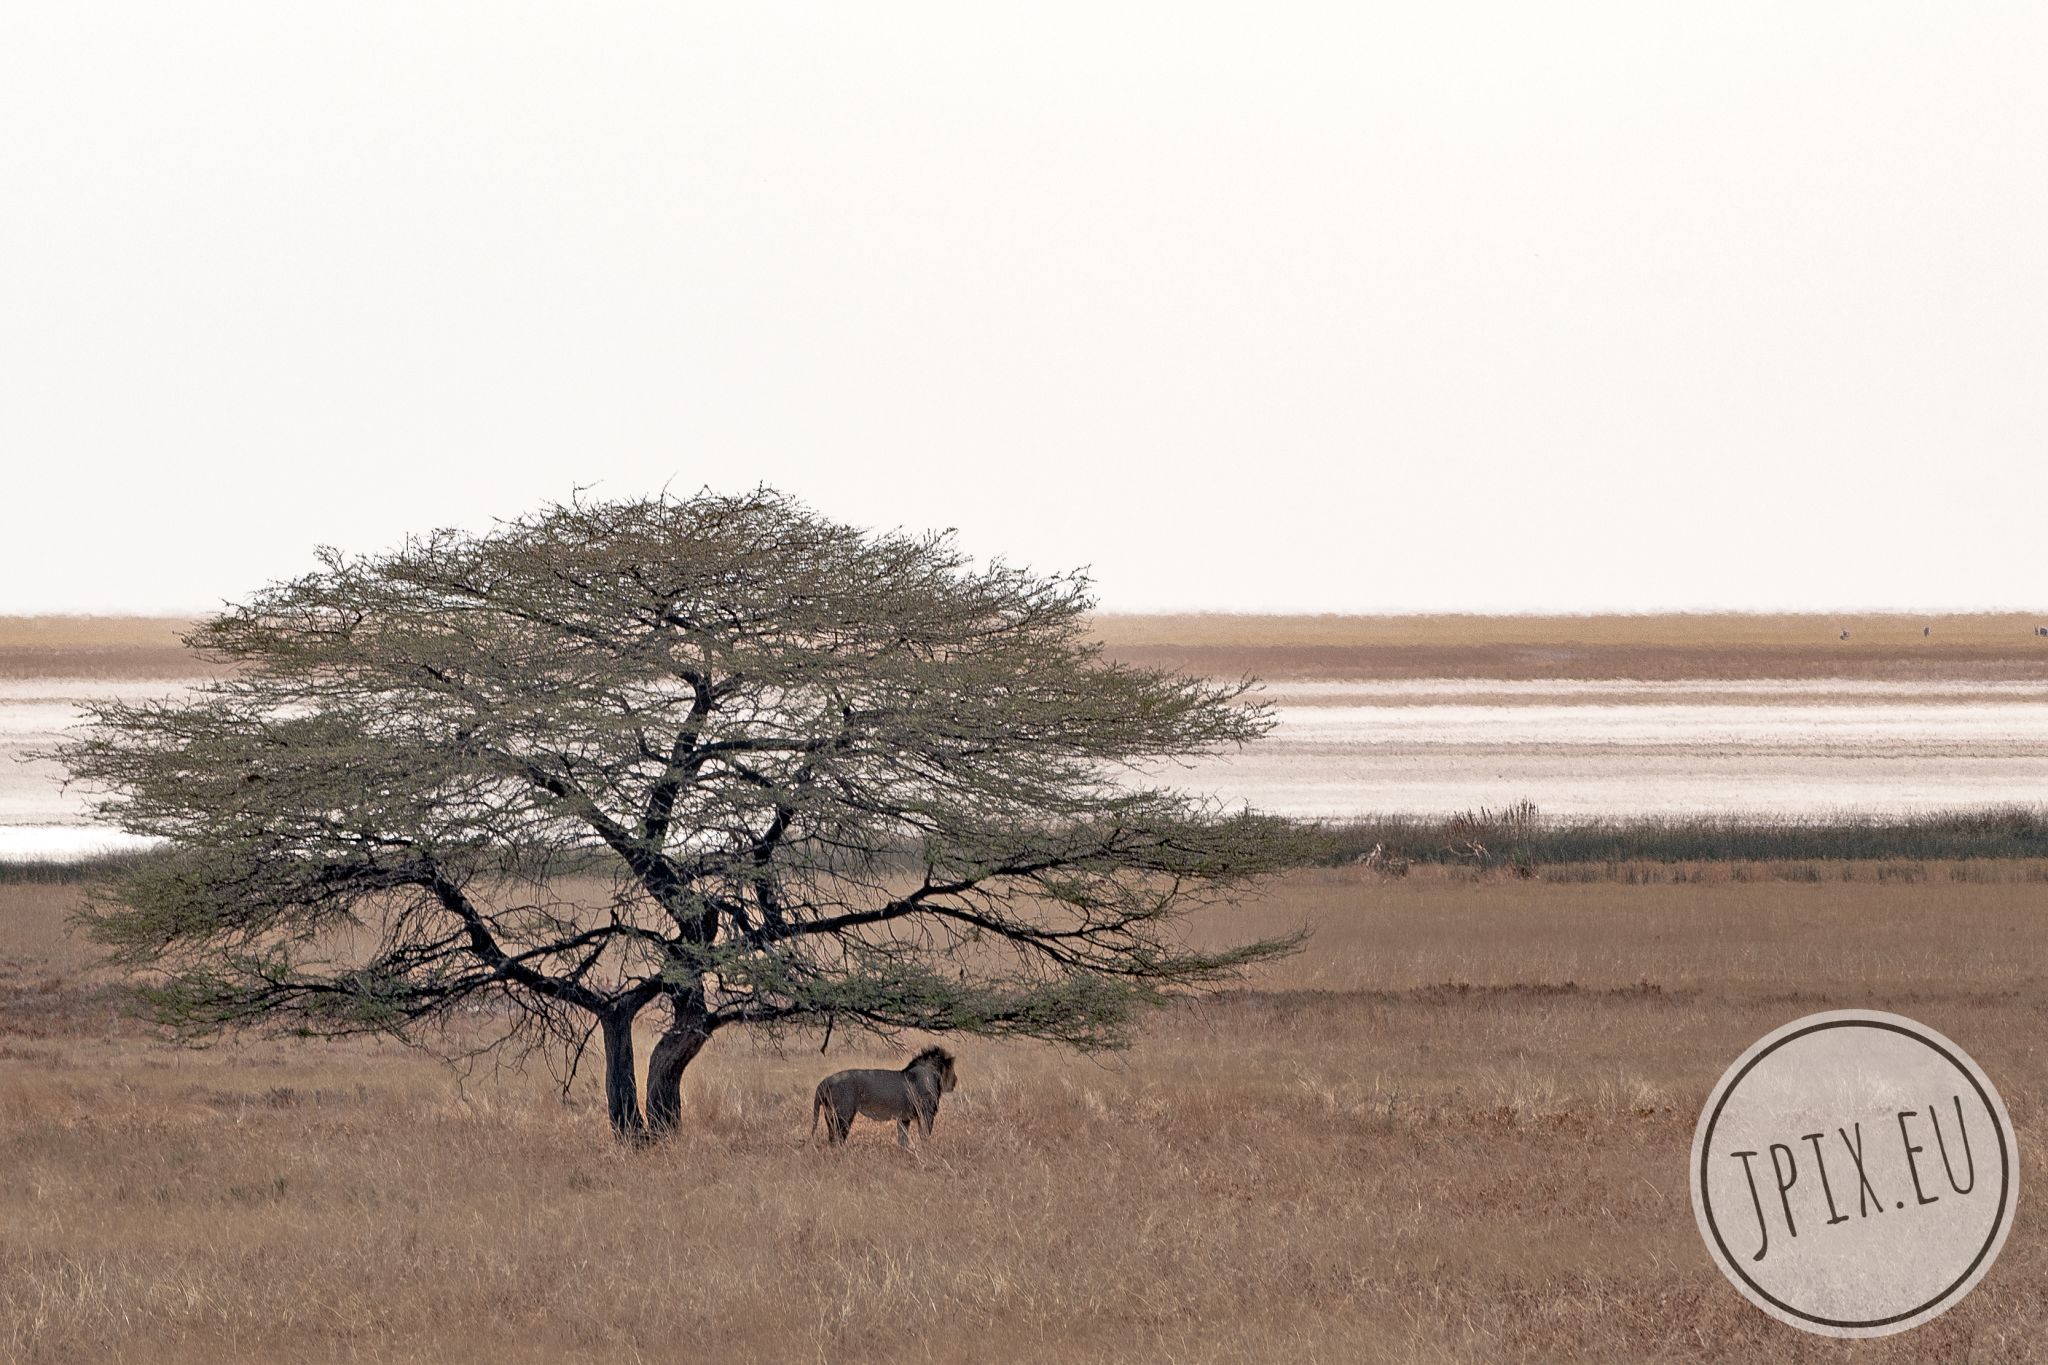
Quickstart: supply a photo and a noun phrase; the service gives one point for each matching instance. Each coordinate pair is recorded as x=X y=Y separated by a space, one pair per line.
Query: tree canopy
x=719 y=755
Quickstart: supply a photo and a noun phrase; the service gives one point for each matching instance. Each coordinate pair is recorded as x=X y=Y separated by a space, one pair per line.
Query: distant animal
x=1845 y=635
x=892 y=1096
x=1926 y=630
x=1379 y=860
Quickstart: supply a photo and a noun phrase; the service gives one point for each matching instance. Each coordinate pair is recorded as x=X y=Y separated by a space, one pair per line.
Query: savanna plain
x=1454 y=1127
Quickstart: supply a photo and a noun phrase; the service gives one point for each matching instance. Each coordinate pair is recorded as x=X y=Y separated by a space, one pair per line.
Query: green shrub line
x=1519 y=835
x=66 y=871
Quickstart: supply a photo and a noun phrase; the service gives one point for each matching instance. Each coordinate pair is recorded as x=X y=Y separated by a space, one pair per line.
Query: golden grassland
x=1674 y=645
x=1455 y=1128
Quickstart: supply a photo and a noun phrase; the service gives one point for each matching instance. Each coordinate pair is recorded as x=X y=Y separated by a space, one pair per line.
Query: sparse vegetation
x=1968 y=846
x=1990 y=646
x=1984 y=647
x=1519 y=836
x=93 y=647
x=95 y=868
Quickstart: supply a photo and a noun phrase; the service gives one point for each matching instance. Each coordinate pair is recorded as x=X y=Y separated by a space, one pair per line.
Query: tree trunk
x=621 y=1089
x=674 y=1051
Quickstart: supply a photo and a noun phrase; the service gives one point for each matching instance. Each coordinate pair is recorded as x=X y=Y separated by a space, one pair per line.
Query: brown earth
x=1986 y=647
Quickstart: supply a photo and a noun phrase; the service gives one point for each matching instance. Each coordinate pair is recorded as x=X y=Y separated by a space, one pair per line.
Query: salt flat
x=1791 y=747
x=1776 y=747
x=39 y=817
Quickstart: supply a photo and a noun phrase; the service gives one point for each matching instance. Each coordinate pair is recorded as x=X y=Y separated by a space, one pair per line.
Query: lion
x=898 y=1096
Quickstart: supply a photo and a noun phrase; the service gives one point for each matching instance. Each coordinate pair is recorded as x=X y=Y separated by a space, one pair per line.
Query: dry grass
x=1983 y=647
x=1455 y=1129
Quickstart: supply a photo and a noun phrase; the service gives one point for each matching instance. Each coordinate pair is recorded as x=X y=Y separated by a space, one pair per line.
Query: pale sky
x=1335 y=308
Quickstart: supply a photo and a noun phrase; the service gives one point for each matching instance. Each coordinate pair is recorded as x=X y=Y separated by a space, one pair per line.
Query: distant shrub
x=1520 y=836
x=67 y=871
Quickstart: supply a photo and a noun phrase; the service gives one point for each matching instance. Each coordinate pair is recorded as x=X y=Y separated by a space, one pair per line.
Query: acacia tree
x=719 y=756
